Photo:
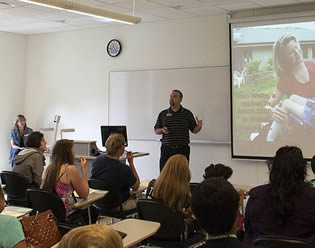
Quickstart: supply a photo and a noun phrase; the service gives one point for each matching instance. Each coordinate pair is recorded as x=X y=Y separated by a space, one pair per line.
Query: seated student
x=172 y=188
x=11 y=231
x=215 y=205
x=62 y=177
x=91 y=236
x=285 y=206
x=109 y=169
x=30 y=162
x=220 y=170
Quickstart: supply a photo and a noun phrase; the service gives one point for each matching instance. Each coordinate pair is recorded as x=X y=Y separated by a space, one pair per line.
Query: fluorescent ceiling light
x=86 y=10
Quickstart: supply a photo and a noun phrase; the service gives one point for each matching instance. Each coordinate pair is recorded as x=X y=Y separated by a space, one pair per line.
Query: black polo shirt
x=178 y=125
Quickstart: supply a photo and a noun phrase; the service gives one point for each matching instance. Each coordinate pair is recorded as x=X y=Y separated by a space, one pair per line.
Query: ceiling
x=23 y=18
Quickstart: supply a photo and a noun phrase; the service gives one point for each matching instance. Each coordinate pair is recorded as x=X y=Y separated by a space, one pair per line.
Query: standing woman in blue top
x=18 y=136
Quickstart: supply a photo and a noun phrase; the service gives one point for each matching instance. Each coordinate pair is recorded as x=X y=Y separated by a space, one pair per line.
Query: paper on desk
x=11 y=213
x=145 y=183
x=91 y=192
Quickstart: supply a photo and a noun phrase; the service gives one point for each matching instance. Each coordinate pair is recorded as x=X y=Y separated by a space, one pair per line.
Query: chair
x=111 y=204
x=171 y=232
x=16 y=185
x=192 y=186
x=149 y=191
x=281 y=242
x=41 y=200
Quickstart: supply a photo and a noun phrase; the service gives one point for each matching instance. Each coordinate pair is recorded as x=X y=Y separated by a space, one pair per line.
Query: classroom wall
x=12 y=75
x=67 y=74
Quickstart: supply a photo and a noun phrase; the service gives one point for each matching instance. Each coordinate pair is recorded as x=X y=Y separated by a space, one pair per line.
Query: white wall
x=67 y=74
x=12 y=75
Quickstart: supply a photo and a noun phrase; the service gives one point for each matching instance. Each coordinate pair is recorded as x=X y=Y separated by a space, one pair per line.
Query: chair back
x=192 y=186
x=42 y=200
x=281 y=242
x=149 y=191
x=16 y=185
x=110 y=200
x=172 y=222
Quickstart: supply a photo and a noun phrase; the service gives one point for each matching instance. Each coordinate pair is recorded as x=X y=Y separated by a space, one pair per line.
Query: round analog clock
x=113 y=48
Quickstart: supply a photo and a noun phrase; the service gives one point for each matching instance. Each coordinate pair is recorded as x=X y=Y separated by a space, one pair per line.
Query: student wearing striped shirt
x=174 y=124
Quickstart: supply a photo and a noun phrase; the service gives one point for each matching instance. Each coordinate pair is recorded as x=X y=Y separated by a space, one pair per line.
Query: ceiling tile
x=237 y=6
x=206 y=11
x=270 y=3
x=169 y=13
x=140 y=5
x=181 y=4
x=148 y=18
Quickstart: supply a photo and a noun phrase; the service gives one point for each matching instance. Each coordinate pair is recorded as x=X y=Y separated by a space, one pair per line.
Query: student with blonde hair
x=172 y=186
x=91 y=236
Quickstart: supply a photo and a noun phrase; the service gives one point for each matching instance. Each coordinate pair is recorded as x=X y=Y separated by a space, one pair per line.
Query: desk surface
x=93 y=196
x=17 y=212
x=137 y=230
x=138 y=191
x=3 y=186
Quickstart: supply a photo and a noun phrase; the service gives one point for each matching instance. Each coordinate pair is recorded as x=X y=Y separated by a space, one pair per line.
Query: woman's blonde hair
x=91 y=236
x=114 y=143
x=172 y=186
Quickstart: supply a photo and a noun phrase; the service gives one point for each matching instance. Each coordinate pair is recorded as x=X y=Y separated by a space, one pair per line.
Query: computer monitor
x=106 y=131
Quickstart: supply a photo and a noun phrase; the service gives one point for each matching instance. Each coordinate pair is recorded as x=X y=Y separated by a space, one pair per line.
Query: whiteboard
x=137 y=97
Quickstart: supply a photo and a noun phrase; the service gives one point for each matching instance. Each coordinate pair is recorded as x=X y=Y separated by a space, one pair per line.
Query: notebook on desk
x=90 y=192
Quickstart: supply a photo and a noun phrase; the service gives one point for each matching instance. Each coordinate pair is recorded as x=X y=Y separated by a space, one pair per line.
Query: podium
x=85 y=148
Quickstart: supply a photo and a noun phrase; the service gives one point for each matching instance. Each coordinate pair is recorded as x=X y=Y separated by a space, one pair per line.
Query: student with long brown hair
x=62 y=177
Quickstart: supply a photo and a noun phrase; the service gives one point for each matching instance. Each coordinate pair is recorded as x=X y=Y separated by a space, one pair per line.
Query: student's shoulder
x=9 y=222
x=259 y=190
x=310 y=192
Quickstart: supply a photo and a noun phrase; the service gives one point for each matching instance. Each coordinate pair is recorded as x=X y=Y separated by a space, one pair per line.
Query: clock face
x=113 y=48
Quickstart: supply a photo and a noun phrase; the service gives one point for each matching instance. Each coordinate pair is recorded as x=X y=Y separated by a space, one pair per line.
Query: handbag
x=41 y=230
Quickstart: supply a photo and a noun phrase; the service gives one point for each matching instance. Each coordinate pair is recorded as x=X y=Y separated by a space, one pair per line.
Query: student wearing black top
x=215 y=205
x=109 y=169
x=174 y=124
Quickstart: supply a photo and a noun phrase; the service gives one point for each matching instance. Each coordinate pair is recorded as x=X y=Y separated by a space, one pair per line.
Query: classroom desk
x=3 y=186
x=139 y=190
x=136 y=230
x=93 y=196
x=16 y=211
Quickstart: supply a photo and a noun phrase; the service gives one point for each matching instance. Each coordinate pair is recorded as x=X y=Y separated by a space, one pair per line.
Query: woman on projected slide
x=295 y=77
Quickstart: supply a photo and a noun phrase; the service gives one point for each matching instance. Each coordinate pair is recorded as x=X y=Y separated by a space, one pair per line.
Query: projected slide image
x=273 y=94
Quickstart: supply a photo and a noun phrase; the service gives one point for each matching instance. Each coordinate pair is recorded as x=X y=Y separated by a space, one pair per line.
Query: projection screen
x=272 y=87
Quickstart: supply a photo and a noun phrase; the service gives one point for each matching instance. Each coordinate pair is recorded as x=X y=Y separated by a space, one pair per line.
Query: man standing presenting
x=174 y=124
